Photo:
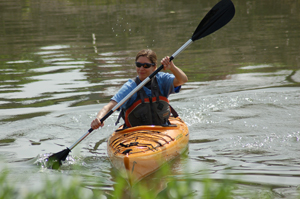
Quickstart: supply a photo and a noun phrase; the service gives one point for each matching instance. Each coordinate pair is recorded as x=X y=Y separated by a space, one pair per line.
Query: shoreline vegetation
x=160 y=185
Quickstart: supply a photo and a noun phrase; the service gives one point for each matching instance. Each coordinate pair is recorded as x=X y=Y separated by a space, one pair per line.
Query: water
x=61 y=61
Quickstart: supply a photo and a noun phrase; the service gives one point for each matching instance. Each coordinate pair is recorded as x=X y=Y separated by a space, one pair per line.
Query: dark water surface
x=61 y=61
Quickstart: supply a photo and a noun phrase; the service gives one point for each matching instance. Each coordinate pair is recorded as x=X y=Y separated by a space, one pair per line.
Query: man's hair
x=150 y=54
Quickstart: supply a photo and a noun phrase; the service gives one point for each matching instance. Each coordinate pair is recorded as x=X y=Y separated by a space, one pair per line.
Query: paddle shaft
x=129 y=95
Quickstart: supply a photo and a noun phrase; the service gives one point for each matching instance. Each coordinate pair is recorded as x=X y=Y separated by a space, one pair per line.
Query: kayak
x=138 y=151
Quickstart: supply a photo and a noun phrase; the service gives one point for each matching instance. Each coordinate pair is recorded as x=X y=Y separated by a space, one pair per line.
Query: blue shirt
x=165 y=83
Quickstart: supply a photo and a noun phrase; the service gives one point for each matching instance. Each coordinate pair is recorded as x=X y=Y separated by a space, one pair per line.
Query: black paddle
x=215 y=19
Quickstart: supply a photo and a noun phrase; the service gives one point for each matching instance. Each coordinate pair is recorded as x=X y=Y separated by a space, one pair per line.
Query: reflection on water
x=60 y=62
x=61 y=81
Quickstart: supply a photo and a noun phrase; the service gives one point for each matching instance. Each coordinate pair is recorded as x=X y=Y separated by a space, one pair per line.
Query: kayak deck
x=139 y=151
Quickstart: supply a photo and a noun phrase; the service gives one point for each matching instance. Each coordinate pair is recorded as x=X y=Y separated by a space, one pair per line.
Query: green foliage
x=161 y=185
x=213 y=190
x=58 y=189
x=164 y=184
x=6 y=190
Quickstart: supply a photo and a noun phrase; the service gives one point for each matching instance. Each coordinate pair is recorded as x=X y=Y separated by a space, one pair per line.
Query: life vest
x=145 y=110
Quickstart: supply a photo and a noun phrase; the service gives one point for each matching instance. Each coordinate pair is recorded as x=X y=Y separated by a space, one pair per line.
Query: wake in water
x=43 y=161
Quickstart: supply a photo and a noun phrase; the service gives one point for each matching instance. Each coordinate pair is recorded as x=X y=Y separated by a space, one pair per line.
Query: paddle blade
x=215 y=19
x=55 y=160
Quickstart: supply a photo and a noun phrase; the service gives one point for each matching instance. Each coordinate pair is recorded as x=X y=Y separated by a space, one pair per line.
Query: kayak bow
x=138 y=151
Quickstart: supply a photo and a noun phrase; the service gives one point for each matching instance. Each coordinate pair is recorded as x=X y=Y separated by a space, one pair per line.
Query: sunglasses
x=145 y=65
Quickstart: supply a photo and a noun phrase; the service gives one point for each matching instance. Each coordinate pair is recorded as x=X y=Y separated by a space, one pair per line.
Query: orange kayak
x=139 y=151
